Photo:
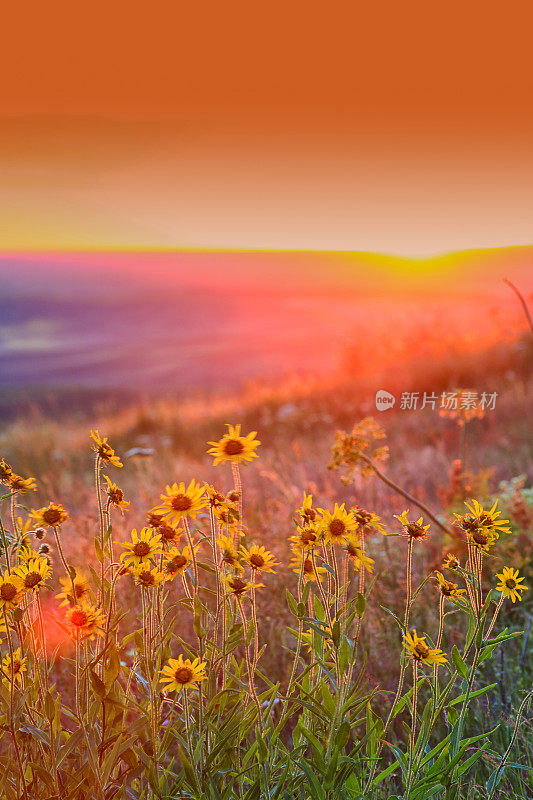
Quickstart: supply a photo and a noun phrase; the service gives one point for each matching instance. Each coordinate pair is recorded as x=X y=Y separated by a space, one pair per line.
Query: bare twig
x=521 y=298
x=418 y=503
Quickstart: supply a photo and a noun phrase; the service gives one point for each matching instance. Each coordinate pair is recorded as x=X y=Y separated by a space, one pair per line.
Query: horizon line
x=145 y=249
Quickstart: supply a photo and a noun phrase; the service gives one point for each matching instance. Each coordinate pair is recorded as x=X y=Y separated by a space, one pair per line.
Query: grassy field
x=303 y=688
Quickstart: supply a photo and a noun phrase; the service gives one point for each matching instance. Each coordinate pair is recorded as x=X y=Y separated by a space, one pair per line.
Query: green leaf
x=336 y=633
x=98 y=550
x=393 y=615
x=385 y=773
x=197 y=619
x=319 y=609
x=291 y=600
x=360 y=604
x=97 y=684
x=49 y=707
x=470 y=761
x=112 y=667
x=342 y=735
x=459 y=664
x=477 y=693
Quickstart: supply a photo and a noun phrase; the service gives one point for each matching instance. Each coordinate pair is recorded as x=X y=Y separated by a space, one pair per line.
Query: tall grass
x=152 y=678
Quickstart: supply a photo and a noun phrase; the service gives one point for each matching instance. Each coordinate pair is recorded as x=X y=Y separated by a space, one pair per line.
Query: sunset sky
x=390 y=127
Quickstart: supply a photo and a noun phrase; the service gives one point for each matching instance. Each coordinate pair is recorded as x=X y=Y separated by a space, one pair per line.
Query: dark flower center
x=257 y=561
x=470 y=523
x=421 y=651
x=78 y=618
x=5 y=471
x=229 y=516
x=216 y=499
x=16 y=667
x=480 y=537
x=510 y=583
x=117 y=495
x=238 y=585
x=51 y=516
x=337 y=527
x=8 y=591
x=154 y=520
x=308 y=567
x=307 y=537
x=167 y=533
x=80 y=590
x=105 y=451
x=415 y=531
x=141 y=549
x=363 y=517
x=32 y=579
x=147 y=578
x=233 y=447
x=177 y=563
x=183 y=674
x=181 y=502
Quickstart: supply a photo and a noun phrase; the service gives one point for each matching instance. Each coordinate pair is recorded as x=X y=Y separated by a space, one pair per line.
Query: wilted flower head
x=447 y=588
x=358 y=558
x=461 y=405
x=419 y=650
x=115 y=495
x=307 y=512
x=215 y=498
x=367 y=520
x=5 y=471
x=352 y=451
x=410 y=528
x=451 y=562
x=482 y=527
x=19 y=484
x=104 y=450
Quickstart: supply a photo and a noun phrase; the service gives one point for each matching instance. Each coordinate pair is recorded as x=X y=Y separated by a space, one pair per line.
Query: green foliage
x=95 y=720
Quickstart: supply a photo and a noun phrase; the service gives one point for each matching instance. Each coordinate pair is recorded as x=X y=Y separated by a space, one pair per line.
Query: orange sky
x=394 y=127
